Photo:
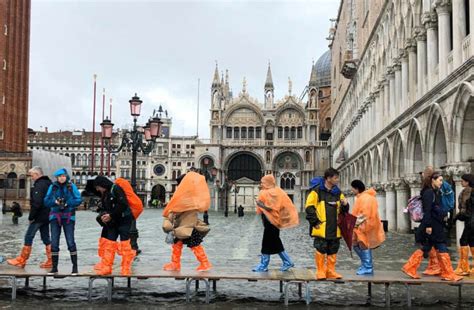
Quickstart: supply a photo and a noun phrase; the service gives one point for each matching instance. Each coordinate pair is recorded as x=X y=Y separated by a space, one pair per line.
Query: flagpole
x=93 y=126
x=108 y=155
x=102 y=140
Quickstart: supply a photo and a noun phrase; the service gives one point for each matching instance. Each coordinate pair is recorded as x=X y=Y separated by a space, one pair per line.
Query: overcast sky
x=159 y=49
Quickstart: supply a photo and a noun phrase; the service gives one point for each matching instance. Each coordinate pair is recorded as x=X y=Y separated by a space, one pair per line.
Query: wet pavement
x=233 y=242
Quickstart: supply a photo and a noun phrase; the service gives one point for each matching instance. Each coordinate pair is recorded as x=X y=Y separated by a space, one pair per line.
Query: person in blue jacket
x=63 y=198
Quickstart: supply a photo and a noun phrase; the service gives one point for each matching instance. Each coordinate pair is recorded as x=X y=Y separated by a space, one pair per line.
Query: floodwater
x=233 y=242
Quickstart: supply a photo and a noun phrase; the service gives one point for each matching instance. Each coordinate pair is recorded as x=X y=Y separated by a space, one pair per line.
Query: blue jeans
x=33 y=229
x=68 y=232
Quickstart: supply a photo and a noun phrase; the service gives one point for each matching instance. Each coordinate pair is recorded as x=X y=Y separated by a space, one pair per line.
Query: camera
x=62 y=204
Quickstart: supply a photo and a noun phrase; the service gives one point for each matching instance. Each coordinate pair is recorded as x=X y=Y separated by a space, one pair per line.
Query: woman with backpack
x=431 y=233
x=115 y=219
x=465 y=214
x=62 y=198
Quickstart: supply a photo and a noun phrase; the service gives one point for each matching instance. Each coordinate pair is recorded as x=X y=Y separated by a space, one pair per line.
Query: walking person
x=181 y=221
x=368 y=232
x=38 y=220
x=323 y=205
x=465 y=214
x=431 y=233
x=116 y=220
x=63 y=198
x=278 y=212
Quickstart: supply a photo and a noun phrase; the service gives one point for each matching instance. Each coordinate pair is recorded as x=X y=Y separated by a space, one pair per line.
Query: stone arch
x=278 y=157
x=377 y=167
x=240 y=106
x=158 y=192
x=398 y=155
x=415 y=146
x=436 y=134
x=244 y=164
x=463 y=123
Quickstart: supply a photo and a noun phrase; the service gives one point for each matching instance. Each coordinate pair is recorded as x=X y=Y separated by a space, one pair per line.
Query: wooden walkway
x=295 y=276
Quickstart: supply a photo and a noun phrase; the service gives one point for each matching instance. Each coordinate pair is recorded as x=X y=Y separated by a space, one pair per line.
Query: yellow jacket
x=324 y=218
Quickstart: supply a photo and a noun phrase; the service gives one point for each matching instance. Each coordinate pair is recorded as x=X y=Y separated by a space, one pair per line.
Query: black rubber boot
x=74 y=264
x=55 y=258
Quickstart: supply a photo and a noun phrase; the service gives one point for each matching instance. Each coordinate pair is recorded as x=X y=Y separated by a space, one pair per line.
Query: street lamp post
x=236 y=190
x=133 y=141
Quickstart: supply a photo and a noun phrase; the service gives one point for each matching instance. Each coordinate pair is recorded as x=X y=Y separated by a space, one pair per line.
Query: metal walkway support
x=189 y=281
x=299 y=283
x=109 y=287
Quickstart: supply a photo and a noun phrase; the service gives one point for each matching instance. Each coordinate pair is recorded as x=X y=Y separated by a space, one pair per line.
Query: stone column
x=471 y=23
x=430 y=22
x=457 y=170
x=444 y=31
x=381 y=200
x=459 y=31
x=391 y=206
x=403 y=219
x=398 y=88
x=404 y=76
x=421 y=61
x=386 y=102
x=412 y=70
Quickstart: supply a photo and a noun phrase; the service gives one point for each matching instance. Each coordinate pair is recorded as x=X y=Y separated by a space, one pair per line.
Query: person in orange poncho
x=182 y=222
x=278 y=212
x=368 y=232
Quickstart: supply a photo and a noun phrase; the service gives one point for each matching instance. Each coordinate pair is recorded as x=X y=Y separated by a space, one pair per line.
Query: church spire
x=216 y=80
x=313 y=77
x=269 y=80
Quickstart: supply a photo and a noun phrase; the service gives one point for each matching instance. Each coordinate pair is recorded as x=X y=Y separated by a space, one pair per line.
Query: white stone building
x=403 y=98
x=250 y=139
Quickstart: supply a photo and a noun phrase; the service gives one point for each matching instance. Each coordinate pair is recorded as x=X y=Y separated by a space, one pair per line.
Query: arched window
x=268 y=156
x=113 y=159
x=288 y=181
x=251 y=133
x=287 y=133
x=307 y=156
x=236 y=132
x=300 y=132
x=293 y=133
x=73 y=159
x=320 y=94
x=243 y=132
x=228 y=132
x=12 y=180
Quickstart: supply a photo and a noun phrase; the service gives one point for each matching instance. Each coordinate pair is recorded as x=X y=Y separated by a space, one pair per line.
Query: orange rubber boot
x=100 y=253
x=472 y=255
x=202 y=258
x=447 y=272
x=331 y=271
x=48 y=264
x=110 y=247
x=175 y=264
x=463 y=264
x=321 y=268
x=433 y=268
x=127 y=257
x=413 y=263
x=20 y=261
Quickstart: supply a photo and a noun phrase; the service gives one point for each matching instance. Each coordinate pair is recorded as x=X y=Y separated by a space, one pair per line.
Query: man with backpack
x=116 y=219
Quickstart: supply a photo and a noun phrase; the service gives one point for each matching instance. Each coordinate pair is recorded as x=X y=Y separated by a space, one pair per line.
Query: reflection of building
x=408 y=102
x=15 y=161
x=76 y=145
x=250 y=139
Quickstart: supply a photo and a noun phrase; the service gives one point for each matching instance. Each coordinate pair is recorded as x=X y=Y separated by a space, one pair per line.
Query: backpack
x=447 y=197
x=134 y=202
x=415 y=208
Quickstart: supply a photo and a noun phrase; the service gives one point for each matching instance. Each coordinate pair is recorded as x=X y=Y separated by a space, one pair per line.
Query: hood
x=62 y=171
x=103 y=182
x=371 y=192
x=268 y=181
x=315 y=182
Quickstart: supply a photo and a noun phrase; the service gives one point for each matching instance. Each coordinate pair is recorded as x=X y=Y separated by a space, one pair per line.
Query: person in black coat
x=38 y=218
x=431 y=232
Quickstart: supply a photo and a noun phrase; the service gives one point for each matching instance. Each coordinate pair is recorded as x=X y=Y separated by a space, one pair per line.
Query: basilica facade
x=285 y=137
x=404 y=74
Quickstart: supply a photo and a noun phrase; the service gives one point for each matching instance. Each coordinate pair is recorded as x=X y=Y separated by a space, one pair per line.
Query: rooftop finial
x=290 y=86
x=244 y=86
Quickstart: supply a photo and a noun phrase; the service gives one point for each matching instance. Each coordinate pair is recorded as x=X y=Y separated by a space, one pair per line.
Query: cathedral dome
x=323 y=70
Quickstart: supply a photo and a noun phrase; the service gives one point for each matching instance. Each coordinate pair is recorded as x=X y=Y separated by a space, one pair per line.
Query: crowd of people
x=330 y=218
